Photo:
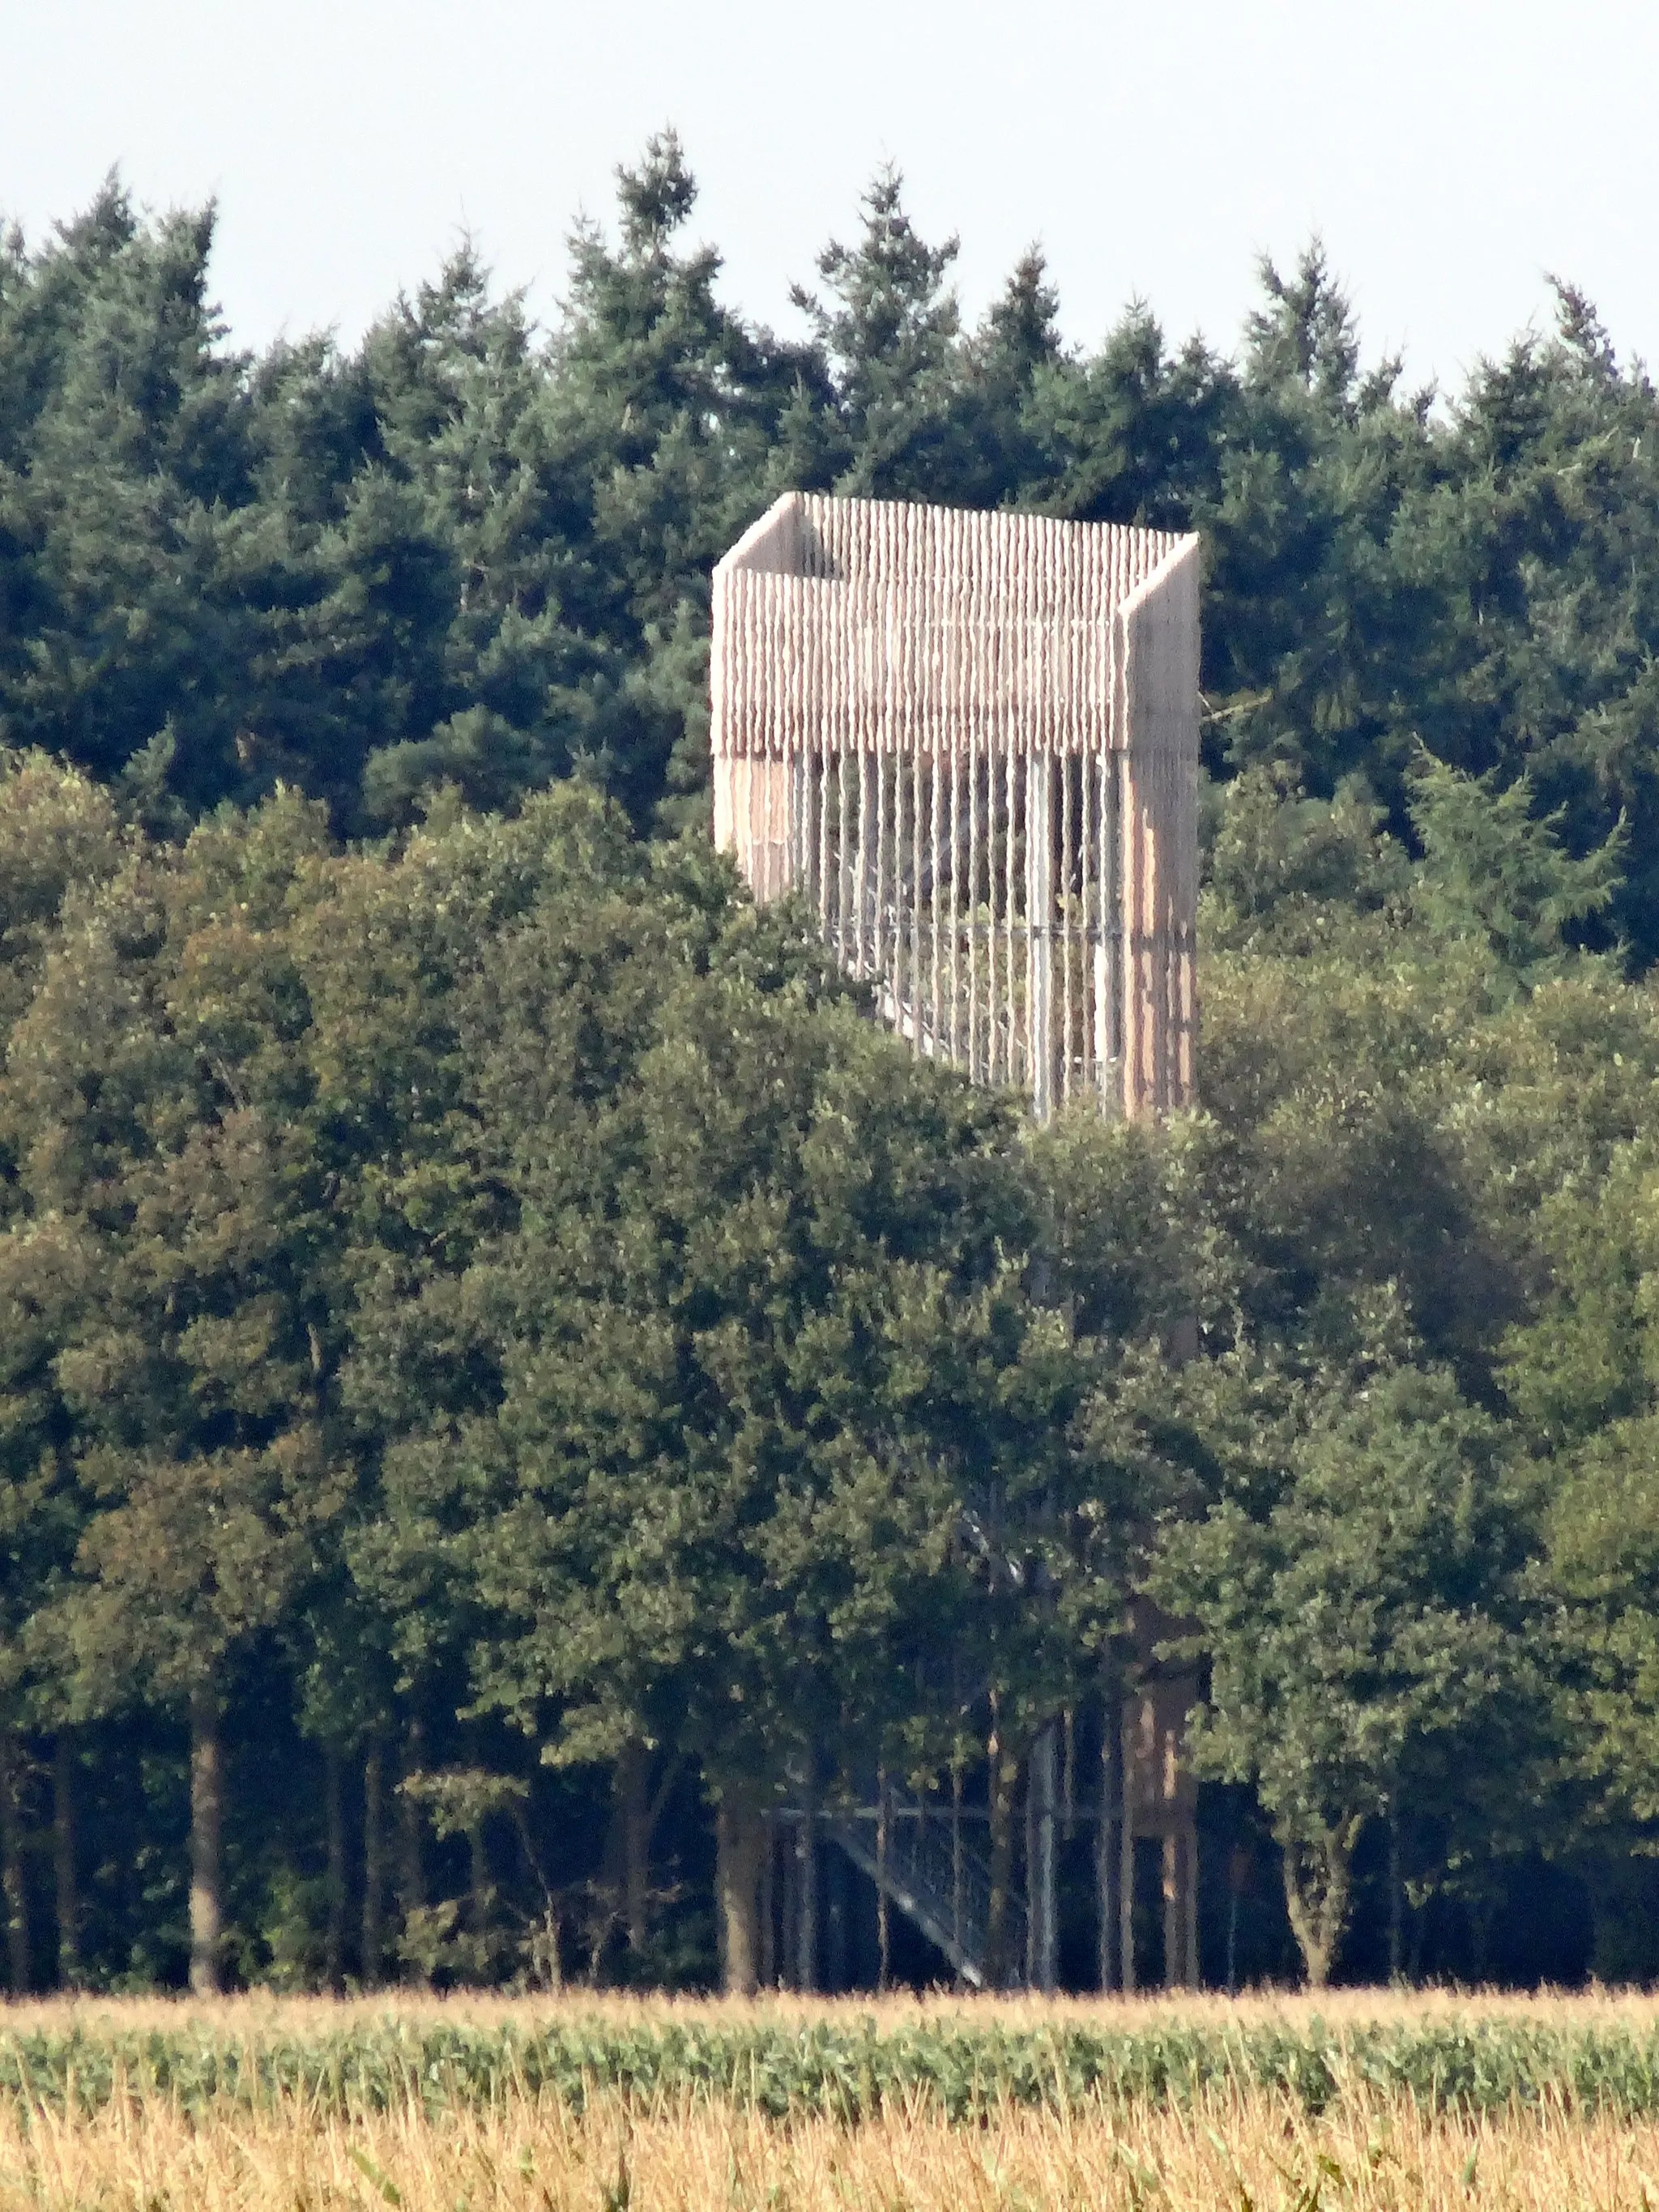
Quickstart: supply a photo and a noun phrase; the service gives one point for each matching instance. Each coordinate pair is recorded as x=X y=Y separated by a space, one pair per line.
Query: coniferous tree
x=888 y=327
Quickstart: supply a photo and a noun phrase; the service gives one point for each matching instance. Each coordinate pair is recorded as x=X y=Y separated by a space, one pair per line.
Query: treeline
x=465 y=554
x=509 y=1375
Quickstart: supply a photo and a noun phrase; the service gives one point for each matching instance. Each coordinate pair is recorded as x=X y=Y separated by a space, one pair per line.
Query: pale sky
x=1450 y=153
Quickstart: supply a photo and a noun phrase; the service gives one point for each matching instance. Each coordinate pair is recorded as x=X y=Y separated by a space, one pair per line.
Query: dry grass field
x=1247 y=2150
x=260 y=2013
x=1240 y=2153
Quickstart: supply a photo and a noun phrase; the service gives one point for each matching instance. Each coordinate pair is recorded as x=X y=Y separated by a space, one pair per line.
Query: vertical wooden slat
x=974 y=1024
x=915 y=899
x=861 y=882
x=888 y=875
x=939 y=1047
x=1014 y=1068
x=955 y=907
x=828 y=771
x=1039 y=923
x=1064 y=924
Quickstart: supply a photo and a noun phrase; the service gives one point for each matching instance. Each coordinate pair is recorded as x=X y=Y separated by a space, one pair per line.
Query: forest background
x=508 y=1374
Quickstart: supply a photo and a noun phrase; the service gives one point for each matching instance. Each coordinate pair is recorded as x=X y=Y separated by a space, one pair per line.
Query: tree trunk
x=740 y=1839
x=883 y=1913
x=777 y=1903
x=957 y=1861
x=835 y=1971
x=1318 y=1888
x=766 y=1958
x=334 y=1817
x=477 y=1868
x=411 y=1871
x=65 y=1885
x=631 y=1783
x=14 y=1890
x=1033 y=1904
x=806 y=1884
x=1180 y=1901
x=1106 y=1852
x=1002 y=1772
x=1396 y=1904
x=1041 y=1942
x=635 y=1810
x=1129 y=1793
x=373 y=1861
x=206 y=1842
x=480 y=1897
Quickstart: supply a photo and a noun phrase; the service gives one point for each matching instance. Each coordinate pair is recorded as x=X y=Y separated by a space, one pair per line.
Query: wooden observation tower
x=970 y=741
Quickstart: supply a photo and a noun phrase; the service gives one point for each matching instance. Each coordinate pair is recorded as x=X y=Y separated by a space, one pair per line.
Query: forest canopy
x=510 y=1376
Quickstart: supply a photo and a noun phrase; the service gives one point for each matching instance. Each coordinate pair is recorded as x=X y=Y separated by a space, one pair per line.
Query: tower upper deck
x=971 y=740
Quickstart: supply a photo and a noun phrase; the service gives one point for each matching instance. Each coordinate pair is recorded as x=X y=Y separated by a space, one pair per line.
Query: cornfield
x=607 y=2106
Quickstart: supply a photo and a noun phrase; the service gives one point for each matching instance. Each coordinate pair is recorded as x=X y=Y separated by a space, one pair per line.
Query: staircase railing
x=928 y=1871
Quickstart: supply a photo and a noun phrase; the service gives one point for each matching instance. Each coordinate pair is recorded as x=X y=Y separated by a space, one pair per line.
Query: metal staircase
x=935 y=1880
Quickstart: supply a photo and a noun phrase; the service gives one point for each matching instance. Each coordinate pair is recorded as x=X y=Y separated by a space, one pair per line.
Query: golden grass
x=1247 y=2151
x=1250 y=2154
x=260 y=2012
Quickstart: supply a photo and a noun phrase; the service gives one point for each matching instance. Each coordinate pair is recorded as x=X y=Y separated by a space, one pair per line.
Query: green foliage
x=470 y=553
x=1490 y=870
x=847 y=2071
x=495 y=1311
x=1355 y=1592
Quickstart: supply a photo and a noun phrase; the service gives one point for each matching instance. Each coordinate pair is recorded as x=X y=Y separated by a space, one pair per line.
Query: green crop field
x=933 y=2107
x=846 y=2062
